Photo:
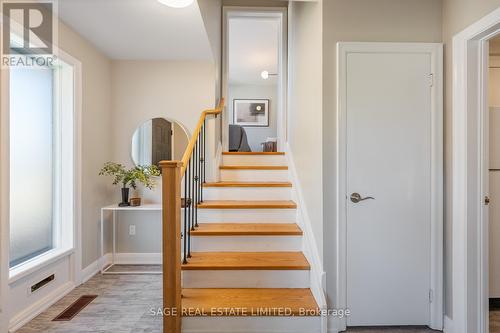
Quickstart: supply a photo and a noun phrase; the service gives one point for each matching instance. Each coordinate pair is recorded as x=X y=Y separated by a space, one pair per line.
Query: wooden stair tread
x=247 y=261
x=247 y=229
x=244 y=204
x=248 y=184
x=253 y=167
x=252 y=153
x=248 y=302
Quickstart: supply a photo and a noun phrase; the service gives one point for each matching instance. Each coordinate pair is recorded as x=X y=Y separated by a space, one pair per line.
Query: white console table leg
x=114 y=238
x=101 y=263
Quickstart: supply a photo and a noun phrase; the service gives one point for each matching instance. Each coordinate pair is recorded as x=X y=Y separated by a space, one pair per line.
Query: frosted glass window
x=31 y=163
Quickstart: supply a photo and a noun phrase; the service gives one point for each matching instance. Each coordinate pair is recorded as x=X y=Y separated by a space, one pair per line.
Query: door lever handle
x=356 y=197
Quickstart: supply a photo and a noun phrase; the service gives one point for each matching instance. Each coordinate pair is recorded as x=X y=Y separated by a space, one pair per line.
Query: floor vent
x=75 y=308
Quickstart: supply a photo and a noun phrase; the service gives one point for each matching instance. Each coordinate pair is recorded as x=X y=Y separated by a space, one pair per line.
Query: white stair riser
x=247 y=215
x=255 y=324
x=254 y=160
x=246 y=243
x=245 y=279
x=247 y=193
x=247 y=175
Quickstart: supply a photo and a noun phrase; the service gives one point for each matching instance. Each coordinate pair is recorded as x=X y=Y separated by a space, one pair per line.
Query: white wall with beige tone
x=96 y=136
x=305 y=108
x=142 y=90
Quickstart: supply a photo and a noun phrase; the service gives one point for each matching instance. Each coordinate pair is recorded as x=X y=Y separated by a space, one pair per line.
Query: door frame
x=258 y=12
x=435 y=51
x=470 y=179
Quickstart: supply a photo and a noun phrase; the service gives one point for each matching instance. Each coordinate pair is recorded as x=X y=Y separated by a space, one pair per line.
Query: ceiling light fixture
x=176 y=3
x=265 y=75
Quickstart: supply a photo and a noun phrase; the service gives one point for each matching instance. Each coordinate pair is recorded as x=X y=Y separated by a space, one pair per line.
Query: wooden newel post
x=171 y=226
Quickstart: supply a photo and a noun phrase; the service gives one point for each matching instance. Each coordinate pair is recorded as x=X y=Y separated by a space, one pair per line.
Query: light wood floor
x=124 y=305
x=495 y=321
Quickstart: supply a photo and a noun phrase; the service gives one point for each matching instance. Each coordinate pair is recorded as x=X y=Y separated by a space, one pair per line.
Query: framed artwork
x=251 y=112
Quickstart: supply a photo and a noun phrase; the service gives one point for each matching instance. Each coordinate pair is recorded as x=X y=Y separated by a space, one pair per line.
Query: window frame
x=67 y=236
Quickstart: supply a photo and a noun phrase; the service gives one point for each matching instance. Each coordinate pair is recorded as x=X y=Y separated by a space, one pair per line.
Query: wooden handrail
x=190 y=147
x=172 y=174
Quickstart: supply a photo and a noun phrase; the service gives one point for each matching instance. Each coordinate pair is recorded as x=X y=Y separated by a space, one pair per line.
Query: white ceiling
x=253 y=47
x=139 y=29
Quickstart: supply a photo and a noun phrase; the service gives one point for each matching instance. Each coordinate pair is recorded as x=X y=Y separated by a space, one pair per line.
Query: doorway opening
x=474 y=184
x=254 y=79
x=494 y=184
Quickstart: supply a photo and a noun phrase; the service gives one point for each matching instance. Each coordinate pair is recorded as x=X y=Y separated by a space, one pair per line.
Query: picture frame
x=251 y=112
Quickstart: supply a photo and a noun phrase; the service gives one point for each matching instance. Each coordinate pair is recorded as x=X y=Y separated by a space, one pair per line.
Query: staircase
x=247 y=272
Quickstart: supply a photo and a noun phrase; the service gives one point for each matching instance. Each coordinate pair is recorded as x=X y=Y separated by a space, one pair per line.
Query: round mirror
x=158 y=140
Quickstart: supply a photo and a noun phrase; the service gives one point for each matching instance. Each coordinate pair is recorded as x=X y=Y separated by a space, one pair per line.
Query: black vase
x=124 y=202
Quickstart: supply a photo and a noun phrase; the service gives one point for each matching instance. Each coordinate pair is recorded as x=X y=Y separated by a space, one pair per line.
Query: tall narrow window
x=42 y=163
x=32 y=163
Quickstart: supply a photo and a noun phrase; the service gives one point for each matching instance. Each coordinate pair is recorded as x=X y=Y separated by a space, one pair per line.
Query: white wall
x=306 y=106
x=256 y=135
x=141 y=90
x=96 y=113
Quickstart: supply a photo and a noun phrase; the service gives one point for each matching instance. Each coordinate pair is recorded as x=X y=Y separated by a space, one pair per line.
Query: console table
x=115 y=209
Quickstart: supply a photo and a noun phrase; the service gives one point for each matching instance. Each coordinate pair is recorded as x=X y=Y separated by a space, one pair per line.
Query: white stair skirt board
x=246 y=243
x=254 y=160
x=247 y=193
x=245 y=279
x=251 y=324
x=247 y=215
x=249 y=175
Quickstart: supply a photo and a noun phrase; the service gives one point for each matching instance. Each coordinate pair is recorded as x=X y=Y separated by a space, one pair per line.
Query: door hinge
x=431 y=295
x=431 y=80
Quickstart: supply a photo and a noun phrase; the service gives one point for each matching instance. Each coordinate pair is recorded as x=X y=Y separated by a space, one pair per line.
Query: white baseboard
x=136 y=258
x=91 y=270
x=22 y=318
x=318 y=275
x=121 y=259
x=448 y=325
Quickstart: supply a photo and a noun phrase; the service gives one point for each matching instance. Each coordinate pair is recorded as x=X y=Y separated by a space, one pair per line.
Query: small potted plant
x=130 y=177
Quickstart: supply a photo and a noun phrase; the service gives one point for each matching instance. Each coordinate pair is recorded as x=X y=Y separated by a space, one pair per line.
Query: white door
x=388 y=157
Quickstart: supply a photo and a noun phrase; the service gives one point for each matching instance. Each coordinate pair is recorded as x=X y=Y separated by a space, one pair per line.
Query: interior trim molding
x=23 y=317
x=448 y=325
x=469 y=146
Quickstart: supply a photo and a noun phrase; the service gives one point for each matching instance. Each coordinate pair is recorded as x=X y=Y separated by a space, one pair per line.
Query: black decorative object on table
x=125 y=192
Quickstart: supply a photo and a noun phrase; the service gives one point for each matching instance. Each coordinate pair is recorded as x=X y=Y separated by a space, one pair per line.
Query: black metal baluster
x=193 y=188
x=189 y=180
x=204 y=158
x=199 y=167
x=184 y=261
x=196 y=178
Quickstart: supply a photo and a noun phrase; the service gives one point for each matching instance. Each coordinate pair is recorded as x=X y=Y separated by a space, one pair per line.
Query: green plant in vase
x=144 y=174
